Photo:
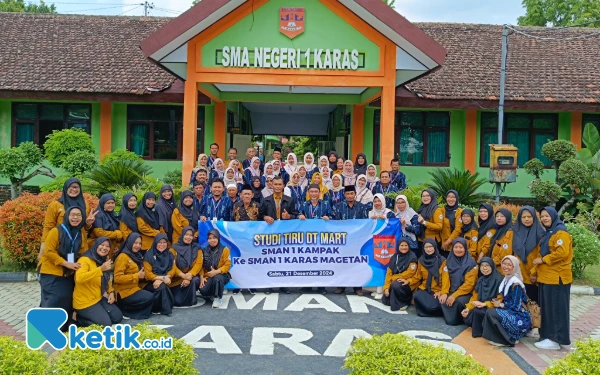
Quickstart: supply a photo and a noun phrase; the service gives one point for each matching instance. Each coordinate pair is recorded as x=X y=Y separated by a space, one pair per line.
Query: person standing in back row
x=214 y=150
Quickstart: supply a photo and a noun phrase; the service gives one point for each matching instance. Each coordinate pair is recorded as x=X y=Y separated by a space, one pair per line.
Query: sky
x=463 y=11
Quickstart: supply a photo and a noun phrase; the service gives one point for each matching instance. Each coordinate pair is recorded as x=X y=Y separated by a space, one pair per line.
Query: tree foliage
x=560 y=13
x=465 y=183
x=20 y=164
x=19 y=6
x=62 y=144
x=302 y=145
x=390 y=3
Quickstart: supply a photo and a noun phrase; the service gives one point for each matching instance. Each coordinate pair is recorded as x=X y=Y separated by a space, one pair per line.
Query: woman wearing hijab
x=508 y=321
x=372 y=178
x=94 y=298
x=402 y=268
x=130 y=278
x=268 y=190
x=215 y=270
x=504 y=242
x=184 y=216
x=379 y=210
x=128 y=222
x=485 y=291
x=233 y=194
x=72 y=196
x=463 y=277
x=256 y=186
x=107 y=224
x=268 y=172
x=409 y=220
x=202 y=163
x=323 y=190
x=554 y=276
x=360 y=165
x=336 y=192
x=164 y=207
x=59 y=261
x=303 y=181
x=431 y=280
x=431 y=218
x=332 y=157
x=188 y=259
x=324 y=163
x=252 y=171
x=348 y=175
x=451 y=227
x=309 y=165
x=469 y=232
x=340 y=166
x=295 y=191
x=292 y=164
x=487 y=229
x=278 y=171
x=229 y=178
x=530 y=231
x=160 y=269
x=326 y=174
x=363 y=194
x=147 y=221
x=218 y=170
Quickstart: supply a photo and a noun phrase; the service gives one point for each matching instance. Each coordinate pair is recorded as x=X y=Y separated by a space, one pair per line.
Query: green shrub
x=559 y=151
x=586 y=248
x=546 y=193
x=118 y=155
x=583 y=360
x=573 y=172
x=534 y=167
x=179 y=360
x=79 y=162
x=465 y=183
x=57 y=183
x=412 y=193
x=61 y=144
x=118 y=174
x=17 y=358
x=403 y=355
x=173 y=178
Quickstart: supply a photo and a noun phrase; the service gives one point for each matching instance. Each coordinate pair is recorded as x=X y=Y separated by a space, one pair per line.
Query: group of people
x=101 y=267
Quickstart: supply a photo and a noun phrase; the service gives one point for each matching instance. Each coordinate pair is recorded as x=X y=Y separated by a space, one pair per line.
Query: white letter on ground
x=221 y=340
x=271 y=301
x=264 y=340
x=304 y=300
x=342 y=341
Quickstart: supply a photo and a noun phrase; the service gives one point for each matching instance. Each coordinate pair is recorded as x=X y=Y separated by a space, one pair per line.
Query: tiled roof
x=70 y=53
x=537 y=70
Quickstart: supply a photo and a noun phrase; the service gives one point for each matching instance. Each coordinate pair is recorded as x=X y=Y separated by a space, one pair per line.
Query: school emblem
x=505 y=246
x=384 y=248
x=291 y=21
x=559 y=242
x=474 y=239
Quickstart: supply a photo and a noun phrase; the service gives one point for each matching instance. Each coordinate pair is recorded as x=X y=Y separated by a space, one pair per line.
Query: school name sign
x=303 y=253
x=290 y=58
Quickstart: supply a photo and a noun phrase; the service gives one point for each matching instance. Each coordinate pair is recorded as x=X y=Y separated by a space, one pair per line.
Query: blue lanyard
x=313 y=211
x=70 y=237
x=216 y=207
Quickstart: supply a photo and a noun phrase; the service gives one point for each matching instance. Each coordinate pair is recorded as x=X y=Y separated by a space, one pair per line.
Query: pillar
x=357 y=131
x=471 y=141
x=105 y=128
x=576 y=128
x=387 y=121
x=190 y=117
x=221 y=127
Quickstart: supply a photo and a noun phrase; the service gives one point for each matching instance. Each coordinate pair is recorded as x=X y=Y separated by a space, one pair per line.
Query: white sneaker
x=378 y=295
x=547 y=344
x=224 y=291
x=533 y=333
x=217 y=303
x=373 y=294
x=496 y=343
x=404 y=308
x=126 y=317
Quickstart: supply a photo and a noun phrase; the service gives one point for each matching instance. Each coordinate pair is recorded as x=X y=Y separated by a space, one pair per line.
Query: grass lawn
x=591 y=277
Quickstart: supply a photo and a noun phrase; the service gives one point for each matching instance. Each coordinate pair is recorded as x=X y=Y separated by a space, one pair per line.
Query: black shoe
x=285 y=290
x=304 y=290
x=252 y=291
x=322 y=290
x=235 y=291
x=268 y=291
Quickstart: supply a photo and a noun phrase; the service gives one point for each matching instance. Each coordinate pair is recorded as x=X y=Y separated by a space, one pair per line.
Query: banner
x=305 y=253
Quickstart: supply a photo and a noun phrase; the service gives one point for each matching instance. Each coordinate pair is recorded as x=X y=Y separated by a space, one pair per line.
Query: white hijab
x=326 y=181
x=407 y=215
x=336 y=189
x=513 y=278
x=303 y=183
x=276 y=171
x=383 y=211
x=311 y=166
x=220 y=171
x=371 y=180
x=363 y=194
x=253 y=171
x=289 y=168
x=227 y=181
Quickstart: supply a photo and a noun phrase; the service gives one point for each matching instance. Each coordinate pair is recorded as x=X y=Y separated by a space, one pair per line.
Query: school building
x=354 y=72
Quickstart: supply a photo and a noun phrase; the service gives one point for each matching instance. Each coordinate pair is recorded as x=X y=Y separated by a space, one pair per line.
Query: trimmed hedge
x=17 y=358
x=403 y=355
x=584 y=360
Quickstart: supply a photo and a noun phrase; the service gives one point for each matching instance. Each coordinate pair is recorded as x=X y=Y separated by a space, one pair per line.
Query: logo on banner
x=384 y=248
x=291 y=21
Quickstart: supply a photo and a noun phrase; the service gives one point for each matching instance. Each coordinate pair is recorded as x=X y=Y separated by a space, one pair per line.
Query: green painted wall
x=323 y=29
x=5 y=124
x=368 y=133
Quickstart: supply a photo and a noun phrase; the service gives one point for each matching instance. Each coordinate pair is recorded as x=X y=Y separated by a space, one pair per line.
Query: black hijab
x=459 y=266
x=332 y=166
x=104 y=219
x=186 y=253
x=69 y=202
x=487 y=286
x=165 y=209
x=557 y=224
x=466 y=228
x=149 y=215
x=127 y=215
x=161 y=262
x=432 y=263
x=486 y=225
x=529 y=236
x=189 y=212
x=92 y=253
x=451 y=210
x=400 y=262
x=427 y=210
x=502 y=230
x=256 y=192
x=127 y=249
x=212 y=255
x=362 y=168
x=71 y=242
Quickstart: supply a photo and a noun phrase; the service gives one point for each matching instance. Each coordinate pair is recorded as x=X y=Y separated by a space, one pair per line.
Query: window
x=33 y=122
x=527 y=131
x=422 y=138
x=376 y=136
x=156 y=132
x=590 y=118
